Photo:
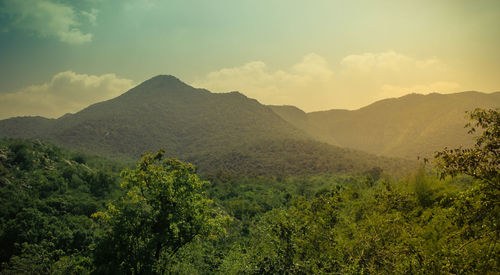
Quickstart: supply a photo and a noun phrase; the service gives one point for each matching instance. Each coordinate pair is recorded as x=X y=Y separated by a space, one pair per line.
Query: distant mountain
x=410 y=126
x=215 y=131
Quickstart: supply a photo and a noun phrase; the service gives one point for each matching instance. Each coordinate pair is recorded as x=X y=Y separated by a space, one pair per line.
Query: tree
x=297 y=240
x=162 y=210
x=482 y=161
x=478 y=209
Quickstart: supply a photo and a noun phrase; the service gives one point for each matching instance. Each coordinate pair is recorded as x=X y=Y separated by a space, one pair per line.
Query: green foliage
x=163 y=209
x=167 y=220
x=357 y=227
x=46 y=204
x=478 y=209
x=483 y=159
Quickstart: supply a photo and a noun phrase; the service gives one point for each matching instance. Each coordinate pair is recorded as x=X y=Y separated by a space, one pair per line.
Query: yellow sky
x=58 y=56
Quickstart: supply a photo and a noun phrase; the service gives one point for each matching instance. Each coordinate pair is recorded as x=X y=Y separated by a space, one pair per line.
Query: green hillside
x=47 y=195
x=65 y=212
x=408 y=127
x=214 y=131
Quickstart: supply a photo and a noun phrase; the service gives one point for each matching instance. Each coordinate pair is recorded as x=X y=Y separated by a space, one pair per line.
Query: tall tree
x=162 y=210
x=479 y=207
x=482 y=161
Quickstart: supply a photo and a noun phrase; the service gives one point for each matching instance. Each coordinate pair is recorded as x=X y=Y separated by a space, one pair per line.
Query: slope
x=216 y=131
x=410 y=126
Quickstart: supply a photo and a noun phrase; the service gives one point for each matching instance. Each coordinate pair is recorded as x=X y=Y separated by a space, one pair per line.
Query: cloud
x=48 y=18
x=313 y=66
x=257 y=80
x=388 y=61
x=313 y=84
x=66 y=92
x=91 y=16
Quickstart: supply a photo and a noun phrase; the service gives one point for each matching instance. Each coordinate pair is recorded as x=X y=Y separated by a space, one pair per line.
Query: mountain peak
x=160 y=84
x=164 y=77
x=164 y=80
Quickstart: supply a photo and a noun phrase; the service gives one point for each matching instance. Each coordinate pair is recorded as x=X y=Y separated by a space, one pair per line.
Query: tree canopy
x=162 y=210
x=479 y=207
x=66 y=213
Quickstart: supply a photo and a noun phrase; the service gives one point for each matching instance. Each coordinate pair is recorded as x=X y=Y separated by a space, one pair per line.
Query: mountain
x=225 y=131
x=410 y=126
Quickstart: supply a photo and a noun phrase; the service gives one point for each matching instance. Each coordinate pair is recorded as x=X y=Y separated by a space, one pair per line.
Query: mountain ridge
x=213 y=130
x=409 y=126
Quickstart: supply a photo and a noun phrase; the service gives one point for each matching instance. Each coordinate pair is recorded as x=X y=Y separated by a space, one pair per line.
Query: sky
x=59 y=56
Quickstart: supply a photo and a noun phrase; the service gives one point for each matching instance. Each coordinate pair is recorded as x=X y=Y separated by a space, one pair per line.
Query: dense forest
x=65 y=212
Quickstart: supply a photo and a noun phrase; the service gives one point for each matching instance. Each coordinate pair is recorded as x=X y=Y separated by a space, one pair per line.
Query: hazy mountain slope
x=409 y=126
x=300 y=120
x=217 y=131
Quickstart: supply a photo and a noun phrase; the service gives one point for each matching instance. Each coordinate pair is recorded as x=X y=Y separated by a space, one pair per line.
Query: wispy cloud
x=66 y=92
x=313 y=84
x=257 y=80
x=48 y=18
x=91 y=15
x=388 y=61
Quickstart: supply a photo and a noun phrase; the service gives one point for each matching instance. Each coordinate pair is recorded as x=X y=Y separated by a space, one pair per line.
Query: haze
x=60 y=56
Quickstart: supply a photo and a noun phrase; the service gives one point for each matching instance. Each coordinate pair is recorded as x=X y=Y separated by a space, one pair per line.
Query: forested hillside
x=144 y=137
x=262 y=198
x=410 y=126
x=68 y=213
x=47 y=195
x=214 y=131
